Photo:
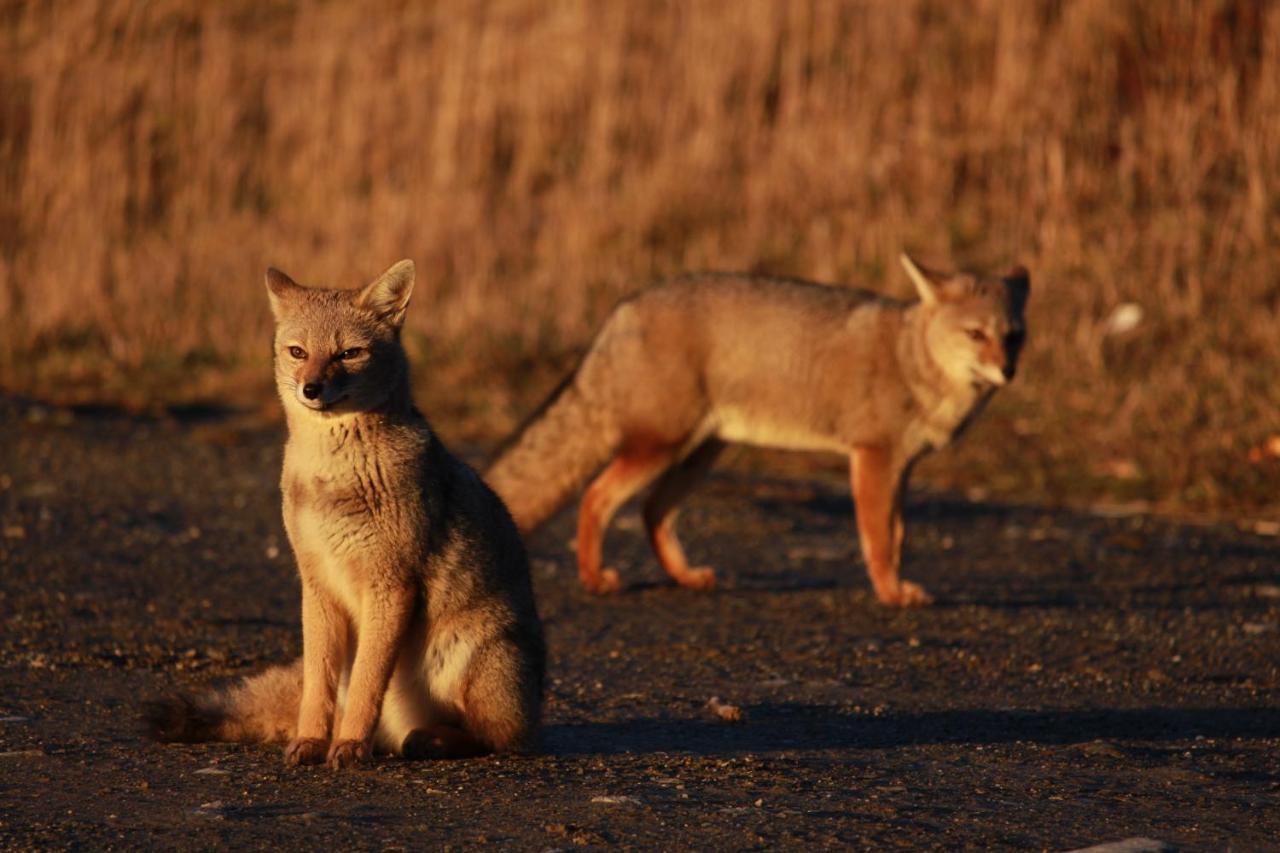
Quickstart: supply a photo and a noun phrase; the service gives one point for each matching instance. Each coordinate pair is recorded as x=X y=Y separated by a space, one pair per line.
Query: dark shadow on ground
x=789 y=727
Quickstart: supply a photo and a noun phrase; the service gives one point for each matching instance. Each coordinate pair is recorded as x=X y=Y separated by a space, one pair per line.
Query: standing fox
x=420 y=636
x=680 y=370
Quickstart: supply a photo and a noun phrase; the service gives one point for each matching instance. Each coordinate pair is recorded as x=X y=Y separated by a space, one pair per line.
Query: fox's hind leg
x=406 y=706
x=492 y=705
x=633 y=469
x=661 y=510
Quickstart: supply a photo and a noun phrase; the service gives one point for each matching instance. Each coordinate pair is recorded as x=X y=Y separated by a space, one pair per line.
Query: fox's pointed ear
x=387 y=297
x=928 y=283
x=280 y=289
x=1018 y=280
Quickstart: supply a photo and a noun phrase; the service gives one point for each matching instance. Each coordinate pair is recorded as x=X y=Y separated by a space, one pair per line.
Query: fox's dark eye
x=297 y=352
x=348 y=354
x=976 y=335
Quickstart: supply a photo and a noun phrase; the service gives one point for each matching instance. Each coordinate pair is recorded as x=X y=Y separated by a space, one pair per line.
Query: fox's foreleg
x=385 y=615
x=879 y=478
x=324 y=654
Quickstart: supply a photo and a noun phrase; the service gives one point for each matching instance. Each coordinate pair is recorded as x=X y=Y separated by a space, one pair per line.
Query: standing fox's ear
x=279 y=289
x=387 y=297
x=1018 y=280
x=928 y=283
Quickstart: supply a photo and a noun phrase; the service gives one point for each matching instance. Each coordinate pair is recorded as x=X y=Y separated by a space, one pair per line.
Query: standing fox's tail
x=552 y=455
x=263 y=707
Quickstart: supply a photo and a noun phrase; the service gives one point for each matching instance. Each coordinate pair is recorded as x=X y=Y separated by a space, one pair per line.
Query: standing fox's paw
x=348 y=753
x=305 y=750
x=702 y=578
x=907 y=594
x=603 y=584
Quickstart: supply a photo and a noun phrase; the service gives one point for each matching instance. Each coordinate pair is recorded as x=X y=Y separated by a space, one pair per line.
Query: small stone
x=212 y=809
x=1128 y=845
x=616 y=800
x=1262 y=527
x=723 y=711
x=21 y=753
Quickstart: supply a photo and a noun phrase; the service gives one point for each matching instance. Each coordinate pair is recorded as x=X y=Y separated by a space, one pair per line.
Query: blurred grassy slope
x=539 y=160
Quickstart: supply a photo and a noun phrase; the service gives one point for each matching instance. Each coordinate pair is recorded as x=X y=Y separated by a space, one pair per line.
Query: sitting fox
x=419 y=632
x=681 y=369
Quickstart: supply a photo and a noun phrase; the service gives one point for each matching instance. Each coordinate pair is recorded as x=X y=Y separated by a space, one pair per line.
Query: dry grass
x=538 y=160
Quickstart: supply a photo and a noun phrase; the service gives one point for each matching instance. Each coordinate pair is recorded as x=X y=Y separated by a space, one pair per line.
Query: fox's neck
x=939 y=395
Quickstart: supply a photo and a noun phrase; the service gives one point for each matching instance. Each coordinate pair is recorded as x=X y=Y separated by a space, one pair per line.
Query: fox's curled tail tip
x=177 y=718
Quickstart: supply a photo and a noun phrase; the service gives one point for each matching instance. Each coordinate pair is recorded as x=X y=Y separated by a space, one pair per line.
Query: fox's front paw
x=606 y=582
x=348 y=753
x=703 y=579
x=907 y=594
x=305 y=750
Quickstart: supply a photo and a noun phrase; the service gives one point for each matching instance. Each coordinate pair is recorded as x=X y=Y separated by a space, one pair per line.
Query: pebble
x=1128 y=845
x=618 y=800
x=723 y=711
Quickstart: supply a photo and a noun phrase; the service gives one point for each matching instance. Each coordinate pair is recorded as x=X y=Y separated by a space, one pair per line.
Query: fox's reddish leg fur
x=661 y=510
x=387 y=611
x=877 y=481
x=632 y=470
x=324 y=639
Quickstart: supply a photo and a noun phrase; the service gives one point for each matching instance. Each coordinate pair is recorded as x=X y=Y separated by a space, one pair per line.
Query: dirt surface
x=1081 y=679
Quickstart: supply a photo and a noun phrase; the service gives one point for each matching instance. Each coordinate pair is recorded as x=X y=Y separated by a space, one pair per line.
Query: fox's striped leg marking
x=632 y=470
x=661 y=510
x=877 y=493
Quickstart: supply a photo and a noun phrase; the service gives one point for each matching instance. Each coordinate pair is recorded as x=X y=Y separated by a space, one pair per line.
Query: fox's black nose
x=311 y=390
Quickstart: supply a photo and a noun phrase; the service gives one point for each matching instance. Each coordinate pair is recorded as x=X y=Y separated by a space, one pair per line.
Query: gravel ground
x=1082 y=679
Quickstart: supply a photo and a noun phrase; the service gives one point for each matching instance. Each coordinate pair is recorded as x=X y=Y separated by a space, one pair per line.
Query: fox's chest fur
x=350 y=509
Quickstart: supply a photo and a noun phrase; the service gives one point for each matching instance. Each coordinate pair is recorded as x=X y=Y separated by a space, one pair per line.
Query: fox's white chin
x=987 y=375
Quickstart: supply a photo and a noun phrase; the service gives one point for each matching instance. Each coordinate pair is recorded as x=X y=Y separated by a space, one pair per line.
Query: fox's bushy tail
x=263 y=707
x=551 y=456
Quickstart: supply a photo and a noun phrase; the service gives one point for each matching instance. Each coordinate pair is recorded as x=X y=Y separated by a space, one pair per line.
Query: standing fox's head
x=973 y=326
x=339 y=351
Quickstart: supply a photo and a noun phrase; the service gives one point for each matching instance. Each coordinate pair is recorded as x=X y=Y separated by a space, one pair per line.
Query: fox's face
x=339 y=351
x=973 y=326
